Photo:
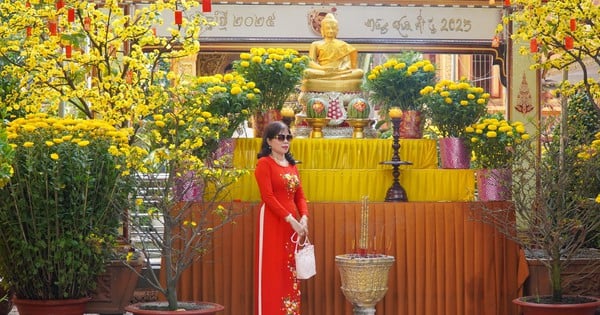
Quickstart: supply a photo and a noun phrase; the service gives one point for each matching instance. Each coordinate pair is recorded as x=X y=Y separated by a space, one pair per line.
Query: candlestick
x=396 y=192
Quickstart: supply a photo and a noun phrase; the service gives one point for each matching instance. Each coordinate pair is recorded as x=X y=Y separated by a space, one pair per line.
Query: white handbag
x=305 y=258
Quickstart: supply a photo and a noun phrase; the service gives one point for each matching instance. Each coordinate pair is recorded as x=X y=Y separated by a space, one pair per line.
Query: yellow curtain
x=446 y=262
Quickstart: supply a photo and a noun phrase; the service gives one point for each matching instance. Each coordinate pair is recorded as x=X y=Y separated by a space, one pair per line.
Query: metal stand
x=359 y=310
x=396 y=192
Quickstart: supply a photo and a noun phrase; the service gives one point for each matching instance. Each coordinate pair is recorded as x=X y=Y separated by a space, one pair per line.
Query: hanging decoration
x=68 y=50
x=71 y=15
x=533 y=45
x=87 y=22
x=178 y=17
x=568 y=43
x=60 y=4
x=206 y=6
x=53 y=27
x=573 y=25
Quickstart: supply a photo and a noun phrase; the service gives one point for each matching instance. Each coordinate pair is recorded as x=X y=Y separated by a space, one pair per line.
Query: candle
x=573 y=24
x=533 y=46
x=178 y=17
x=395 y=112
x=568 y=42
x=71 y=15
x=287 y=112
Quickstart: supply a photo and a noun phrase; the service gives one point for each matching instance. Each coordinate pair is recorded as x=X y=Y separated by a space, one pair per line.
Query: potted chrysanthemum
x=398 y=83
x=60 y=210
x=452 y=106
x=494 y=141
x=276 y=73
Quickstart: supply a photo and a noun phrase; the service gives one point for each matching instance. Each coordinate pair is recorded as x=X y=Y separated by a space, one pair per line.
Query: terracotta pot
x=261 y=120
x=205 y=308
x=114 y=289
x=51 y=307
x=454 y=153
x=532 y=308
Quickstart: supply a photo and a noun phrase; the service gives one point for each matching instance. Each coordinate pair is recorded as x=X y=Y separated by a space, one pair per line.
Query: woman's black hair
x=271 y=131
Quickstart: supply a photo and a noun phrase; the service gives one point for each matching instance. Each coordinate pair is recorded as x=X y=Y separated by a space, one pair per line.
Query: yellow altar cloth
x=344 y=153
x=341 y=170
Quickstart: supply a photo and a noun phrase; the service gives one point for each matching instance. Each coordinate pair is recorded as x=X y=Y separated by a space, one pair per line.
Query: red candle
x=60 y=4
x=573 y=24
x=53 y=28
x=71 y=15
x=206 y=5
x=178 y=17
x=568 y=42
x=533 y=45
x=68 y=51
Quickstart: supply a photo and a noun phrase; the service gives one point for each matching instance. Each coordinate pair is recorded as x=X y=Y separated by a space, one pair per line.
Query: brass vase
x=364 y=279
x=317 y=125
x=358 y=126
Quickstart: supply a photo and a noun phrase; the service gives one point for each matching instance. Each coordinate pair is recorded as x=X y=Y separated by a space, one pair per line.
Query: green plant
x=398 y=81
x=276 y=72
x=452 y=106
x=6 y=156
x=231 y=96
x=494 y=141
x=60 y=210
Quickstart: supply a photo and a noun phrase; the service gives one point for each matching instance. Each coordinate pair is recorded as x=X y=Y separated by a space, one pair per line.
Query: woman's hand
x=297 y=226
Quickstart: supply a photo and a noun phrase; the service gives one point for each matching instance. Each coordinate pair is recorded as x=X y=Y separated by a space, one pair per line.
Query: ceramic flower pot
x=494 y=184
x=529 y=306
x=51 y=307
x=187 y=308
x=454 y=153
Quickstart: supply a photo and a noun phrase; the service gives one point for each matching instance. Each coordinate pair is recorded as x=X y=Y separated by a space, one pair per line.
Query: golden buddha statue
x=333 y=62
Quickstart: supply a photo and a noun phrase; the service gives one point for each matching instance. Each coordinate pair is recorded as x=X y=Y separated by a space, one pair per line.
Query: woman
x=283 y=212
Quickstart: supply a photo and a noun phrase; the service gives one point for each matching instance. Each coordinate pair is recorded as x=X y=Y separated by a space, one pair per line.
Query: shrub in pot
x=60 y=210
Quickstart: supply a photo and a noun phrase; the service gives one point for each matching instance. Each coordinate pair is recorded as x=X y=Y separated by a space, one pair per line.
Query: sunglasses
x=284 y=137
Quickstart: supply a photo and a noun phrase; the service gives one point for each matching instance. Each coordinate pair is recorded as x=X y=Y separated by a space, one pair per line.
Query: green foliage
x=452 y=106
x=398 y=81
x=6 y=157
x=276 y=72
x=60 y=211
x=494 y=141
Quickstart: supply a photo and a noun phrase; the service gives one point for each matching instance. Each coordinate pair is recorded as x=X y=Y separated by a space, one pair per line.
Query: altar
x=447 y=262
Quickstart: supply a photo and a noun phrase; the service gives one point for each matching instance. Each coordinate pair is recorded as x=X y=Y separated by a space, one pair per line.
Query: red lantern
x=53 y=28
x=206 y=5
x=71 y=15
x=60 y=4
x=573 y=24
x=87 y=22
x=568 y=43
x=178 y=17
x=68 y=51
x=533 y=45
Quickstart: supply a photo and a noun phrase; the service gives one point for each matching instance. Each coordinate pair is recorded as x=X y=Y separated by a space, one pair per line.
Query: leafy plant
x=398 y=81
x=495 y=141
x=452 y=106
x=276 y=72
x=61 y=208
x=6 y=157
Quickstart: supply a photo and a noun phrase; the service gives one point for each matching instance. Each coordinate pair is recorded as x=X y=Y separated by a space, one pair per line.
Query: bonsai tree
x=76 y=59
x=556 y=204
